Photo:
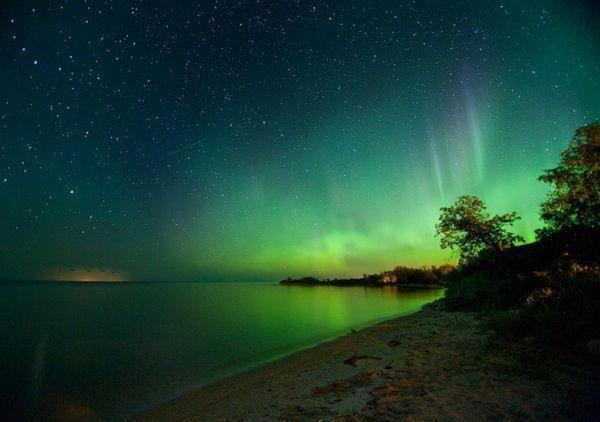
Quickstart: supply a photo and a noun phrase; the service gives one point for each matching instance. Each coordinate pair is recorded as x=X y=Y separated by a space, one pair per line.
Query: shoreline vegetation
x=546 y=292
x=424 y=277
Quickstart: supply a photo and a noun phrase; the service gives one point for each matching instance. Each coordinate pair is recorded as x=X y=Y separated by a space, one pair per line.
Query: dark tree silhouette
x=575 y=196
x=468 y=228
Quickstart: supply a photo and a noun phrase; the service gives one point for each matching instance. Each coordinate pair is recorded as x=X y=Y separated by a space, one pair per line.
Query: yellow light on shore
x=83 y=274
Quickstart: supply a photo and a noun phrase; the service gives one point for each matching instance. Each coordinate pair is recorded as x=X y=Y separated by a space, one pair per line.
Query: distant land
x=85 y=275
x=400 y=276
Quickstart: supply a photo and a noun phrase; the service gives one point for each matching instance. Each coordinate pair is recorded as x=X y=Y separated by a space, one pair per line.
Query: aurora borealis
x=264 y=139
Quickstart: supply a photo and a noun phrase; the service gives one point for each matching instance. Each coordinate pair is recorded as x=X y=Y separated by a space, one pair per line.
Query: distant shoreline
x=400 y=276
x=333 y=284
x=78 y=282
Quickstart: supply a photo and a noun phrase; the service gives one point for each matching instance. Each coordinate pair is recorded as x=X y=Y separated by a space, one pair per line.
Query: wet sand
x=431 y=365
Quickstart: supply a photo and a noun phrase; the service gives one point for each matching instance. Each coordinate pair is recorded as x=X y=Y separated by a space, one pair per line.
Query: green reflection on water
x=114 y=347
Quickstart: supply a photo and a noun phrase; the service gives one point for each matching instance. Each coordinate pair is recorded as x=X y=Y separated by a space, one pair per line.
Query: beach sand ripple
x=431 y=365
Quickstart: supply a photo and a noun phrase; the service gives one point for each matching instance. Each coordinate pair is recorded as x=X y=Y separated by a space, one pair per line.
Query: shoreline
x=255 y=367
x=426 y=365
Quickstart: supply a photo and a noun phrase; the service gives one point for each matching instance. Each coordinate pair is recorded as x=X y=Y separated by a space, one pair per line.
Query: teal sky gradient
x=316 y=140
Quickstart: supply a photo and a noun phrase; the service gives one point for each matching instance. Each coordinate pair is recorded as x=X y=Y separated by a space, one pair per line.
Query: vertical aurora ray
x=474 y=134
x=436 y=166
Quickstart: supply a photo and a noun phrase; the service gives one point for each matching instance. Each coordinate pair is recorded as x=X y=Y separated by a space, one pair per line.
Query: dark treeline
x=546 y=292
x=399 y=276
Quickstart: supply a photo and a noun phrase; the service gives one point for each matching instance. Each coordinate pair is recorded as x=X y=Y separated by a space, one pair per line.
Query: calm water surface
x=117 y=348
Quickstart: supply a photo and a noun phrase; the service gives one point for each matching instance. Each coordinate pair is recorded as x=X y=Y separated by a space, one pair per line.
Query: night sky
x=218 y=140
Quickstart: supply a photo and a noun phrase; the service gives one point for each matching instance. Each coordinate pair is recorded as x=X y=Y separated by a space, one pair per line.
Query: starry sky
x=255 y=140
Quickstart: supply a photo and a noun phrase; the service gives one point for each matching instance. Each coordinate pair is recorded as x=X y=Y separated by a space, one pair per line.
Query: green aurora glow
x=327 y=152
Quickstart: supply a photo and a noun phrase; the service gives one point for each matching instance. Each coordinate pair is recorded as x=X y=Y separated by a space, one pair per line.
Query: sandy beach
x=431 y=365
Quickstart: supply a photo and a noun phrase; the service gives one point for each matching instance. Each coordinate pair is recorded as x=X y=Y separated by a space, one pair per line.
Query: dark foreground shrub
x=485 y=291
x=565 y=312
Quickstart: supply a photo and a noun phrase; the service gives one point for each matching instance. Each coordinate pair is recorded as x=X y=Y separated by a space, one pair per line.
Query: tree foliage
x=575 y=196
x=467 y=227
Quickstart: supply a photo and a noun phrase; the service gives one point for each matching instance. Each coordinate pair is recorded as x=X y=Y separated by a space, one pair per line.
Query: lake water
x=118 y=348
